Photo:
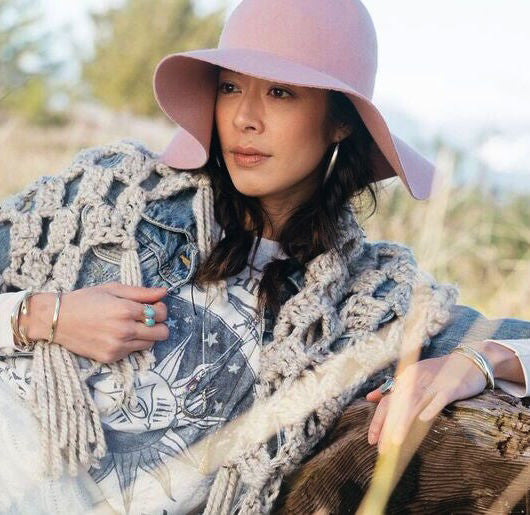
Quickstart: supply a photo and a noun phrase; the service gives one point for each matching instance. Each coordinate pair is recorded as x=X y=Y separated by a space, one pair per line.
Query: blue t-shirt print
x=203 y=375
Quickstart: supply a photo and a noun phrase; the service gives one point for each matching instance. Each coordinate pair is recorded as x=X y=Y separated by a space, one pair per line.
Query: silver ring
x=387 y=386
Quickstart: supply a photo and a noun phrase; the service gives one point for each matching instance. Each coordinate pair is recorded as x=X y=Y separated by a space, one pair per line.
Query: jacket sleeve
x=5 y=228
x=9 y=295
x=521 y=347
x=23 y=201
x=467 y=324
x=8 y=302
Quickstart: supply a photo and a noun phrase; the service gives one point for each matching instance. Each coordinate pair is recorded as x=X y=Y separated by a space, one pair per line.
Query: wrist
x=37 y=322
x=502 y=359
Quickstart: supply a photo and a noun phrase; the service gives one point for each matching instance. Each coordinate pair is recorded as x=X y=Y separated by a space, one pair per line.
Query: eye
x=220 y=88
x=281 y=89
x=274 y=88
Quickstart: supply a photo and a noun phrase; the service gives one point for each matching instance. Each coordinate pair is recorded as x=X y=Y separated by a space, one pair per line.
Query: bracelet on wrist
x=480 y=360
x=55 y=315
x=22 y=342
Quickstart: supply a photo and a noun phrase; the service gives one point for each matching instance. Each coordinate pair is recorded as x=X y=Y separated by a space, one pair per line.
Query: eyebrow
x=226 y=70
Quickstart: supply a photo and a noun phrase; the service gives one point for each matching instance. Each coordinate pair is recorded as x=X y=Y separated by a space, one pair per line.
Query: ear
x=341 y=132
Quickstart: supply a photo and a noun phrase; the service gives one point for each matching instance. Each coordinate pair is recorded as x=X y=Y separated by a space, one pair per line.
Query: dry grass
x=466 y=237
x=29 y=151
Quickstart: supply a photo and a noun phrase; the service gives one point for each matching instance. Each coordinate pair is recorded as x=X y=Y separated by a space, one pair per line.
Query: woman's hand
x=423 y=388
x=103 y=322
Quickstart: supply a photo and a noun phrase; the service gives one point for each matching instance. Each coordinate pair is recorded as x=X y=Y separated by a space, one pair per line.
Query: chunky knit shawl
x=337 y=296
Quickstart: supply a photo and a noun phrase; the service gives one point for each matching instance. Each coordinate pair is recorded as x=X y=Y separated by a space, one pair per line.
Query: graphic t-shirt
x=203 y=376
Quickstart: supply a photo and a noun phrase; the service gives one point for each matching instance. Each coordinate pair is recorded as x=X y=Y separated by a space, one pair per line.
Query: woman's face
x=288 y=123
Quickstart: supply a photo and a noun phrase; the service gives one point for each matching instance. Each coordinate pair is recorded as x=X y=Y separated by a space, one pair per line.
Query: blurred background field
x=74 y=75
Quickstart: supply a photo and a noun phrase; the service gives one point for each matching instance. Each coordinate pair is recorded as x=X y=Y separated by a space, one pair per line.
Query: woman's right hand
x=102 y=322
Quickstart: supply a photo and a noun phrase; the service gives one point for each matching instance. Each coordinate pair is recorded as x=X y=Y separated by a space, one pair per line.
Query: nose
x=249 y=111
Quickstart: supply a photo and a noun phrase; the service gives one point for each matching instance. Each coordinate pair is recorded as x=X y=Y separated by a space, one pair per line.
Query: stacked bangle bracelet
x=22 y=342
x=480 y=360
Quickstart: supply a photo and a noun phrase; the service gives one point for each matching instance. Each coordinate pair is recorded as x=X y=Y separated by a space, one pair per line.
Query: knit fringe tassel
x=69 y=419
x=58 y=393
x=222 y=492
x=60 y=398
x=203 y=210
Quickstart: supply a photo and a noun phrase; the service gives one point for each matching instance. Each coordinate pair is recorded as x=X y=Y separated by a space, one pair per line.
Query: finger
x=401 y=416
x=377 y=421
x=374 y=395
x=439 y=402
x=139 y=345
x=137 y=310
x=137 y=293
x=154 y=333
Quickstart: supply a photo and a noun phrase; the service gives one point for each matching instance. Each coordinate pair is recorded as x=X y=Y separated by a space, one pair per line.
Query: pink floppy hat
x=329 y=44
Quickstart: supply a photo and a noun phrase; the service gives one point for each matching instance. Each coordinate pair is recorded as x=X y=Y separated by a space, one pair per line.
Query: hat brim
x=185 y=89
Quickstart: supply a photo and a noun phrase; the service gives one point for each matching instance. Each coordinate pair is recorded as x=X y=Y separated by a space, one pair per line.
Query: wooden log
x=476 y=450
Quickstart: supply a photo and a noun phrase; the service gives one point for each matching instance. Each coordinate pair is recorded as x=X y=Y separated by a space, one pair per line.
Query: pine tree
x=25 y=65
x=131 y=41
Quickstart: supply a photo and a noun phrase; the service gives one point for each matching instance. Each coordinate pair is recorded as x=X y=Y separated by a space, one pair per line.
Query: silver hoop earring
x=332 y=161
x=218 y=161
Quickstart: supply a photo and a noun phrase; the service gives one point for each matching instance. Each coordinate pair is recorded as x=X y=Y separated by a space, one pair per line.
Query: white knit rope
x=203 y=211
x=306 y=326
x=59 y=395
x=356 y=272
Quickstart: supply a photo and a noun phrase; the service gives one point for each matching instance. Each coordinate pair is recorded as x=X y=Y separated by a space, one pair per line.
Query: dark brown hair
x=312 y=228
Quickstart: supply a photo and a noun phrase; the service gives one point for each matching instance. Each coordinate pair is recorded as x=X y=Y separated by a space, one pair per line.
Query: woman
x=232 y=265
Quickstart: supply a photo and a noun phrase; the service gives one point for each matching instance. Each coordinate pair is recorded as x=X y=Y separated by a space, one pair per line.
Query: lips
x=249 y=151
x=248 y=160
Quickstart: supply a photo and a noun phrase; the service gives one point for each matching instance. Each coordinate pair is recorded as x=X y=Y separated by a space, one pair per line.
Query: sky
x=441 y=61
x=438 y=61
x=455 y=67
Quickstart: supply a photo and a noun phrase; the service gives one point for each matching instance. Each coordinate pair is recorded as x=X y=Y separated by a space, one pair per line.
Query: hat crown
x=336 y=37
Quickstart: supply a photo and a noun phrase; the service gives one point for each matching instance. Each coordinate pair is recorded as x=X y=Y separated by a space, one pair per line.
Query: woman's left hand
x=423 y=388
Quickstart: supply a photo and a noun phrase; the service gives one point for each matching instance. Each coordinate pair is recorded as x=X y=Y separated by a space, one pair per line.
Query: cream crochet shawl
x=306 y=326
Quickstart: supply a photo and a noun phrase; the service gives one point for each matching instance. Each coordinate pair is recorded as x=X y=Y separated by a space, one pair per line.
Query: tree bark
x=476 y=452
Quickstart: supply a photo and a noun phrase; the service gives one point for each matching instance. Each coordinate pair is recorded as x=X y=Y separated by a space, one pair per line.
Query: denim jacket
x=168 y=251
x=169 y=257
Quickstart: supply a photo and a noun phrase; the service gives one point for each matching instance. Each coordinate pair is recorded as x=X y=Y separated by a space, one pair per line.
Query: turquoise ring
x=388 y=386
x=149 y=313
